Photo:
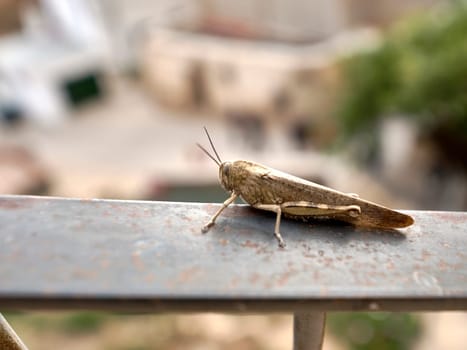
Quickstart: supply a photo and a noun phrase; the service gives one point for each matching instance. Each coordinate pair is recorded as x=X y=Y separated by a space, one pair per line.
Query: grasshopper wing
x=290 y=188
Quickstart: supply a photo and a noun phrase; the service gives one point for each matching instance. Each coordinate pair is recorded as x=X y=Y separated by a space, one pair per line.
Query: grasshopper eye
x=224 y=175
x=226 y=170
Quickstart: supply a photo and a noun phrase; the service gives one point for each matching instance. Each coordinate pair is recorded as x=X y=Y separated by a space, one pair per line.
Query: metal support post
x=308 y=330
x=9 y=340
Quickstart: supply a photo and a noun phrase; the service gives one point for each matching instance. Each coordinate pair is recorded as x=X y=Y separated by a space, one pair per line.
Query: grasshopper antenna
x=209 y=155
x=212 y=145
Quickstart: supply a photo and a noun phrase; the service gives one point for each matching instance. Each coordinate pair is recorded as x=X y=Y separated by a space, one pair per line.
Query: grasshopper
x=284 y=194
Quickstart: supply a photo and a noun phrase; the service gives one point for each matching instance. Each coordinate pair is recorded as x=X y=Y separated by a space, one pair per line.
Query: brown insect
x=272 y=190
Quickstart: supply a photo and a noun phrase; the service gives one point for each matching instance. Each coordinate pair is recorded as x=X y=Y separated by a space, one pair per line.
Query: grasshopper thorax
x=224 y=175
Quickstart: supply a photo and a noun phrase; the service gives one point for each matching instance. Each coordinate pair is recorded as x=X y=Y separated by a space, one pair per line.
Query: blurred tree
x=379 y=330
x=419 y=72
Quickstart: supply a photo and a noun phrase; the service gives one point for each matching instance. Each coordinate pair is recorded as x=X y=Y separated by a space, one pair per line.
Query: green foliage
x=69 y=322
x=419 y=71
x=83 y=322
x=372 y=80
x=368 y=331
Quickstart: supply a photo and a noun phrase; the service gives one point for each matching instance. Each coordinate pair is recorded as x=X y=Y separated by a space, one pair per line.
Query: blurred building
x=253 y=63
x=381 y=12
x=262 y=63
x=55 y=54
x=55 y=59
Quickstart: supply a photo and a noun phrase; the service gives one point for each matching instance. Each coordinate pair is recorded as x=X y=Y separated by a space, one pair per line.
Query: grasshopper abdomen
x=256 y=183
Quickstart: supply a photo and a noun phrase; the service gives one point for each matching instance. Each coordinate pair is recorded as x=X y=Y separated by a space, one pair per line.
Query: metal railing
x=151 y=257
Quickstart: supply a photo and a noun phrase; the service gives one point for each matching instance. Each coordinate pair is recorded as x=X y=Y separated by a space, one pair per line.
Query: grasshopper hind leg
x=307 y=209
x=278 y=210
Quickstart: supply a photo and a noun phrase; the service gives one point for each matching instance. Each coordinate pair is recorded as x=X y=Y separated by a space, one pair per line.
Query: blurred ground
x=61 y=330
x=209 y=331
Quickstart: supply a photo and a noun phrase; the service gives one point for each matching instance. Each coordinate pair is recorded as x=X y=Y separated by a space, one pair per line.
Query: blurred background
x=106 y=98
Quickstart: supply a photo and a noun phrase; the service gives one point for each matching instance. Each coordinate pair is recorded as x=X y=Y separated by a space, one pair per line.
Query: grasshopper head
x=225 y=168
x=224 y=175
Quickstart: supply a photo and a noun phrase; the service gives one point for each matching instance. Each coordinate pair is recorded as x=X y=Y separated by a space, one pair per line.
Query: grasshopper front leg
x=227 y=202
x=306 y=209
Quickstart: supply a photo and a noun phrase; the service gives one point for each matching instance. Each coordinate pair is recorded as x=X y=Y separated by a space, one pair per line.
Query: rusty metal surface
x=152 y=256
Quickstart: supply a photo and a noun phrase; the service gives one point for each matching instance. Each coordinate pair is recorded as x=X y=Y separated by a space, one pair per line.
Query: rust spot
x=443 y=265
x=426 y=254
x=328 y=261
x=211 y=208
x=228 y=229
x=262 y=250
x=240 y=211
x=105 y=263
x=250 y=244
x=12 y=204
x=268 y=285
x=254 y=278
x=149 y=278
x=136 y=260
x=118 y=208
x=452 y=217
x=187 y=274
x=133 y=214
x=284 y=277
x=6 y=204
x=83 y=274
x=223 y=242
x=79 y=226
x=234 y=282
